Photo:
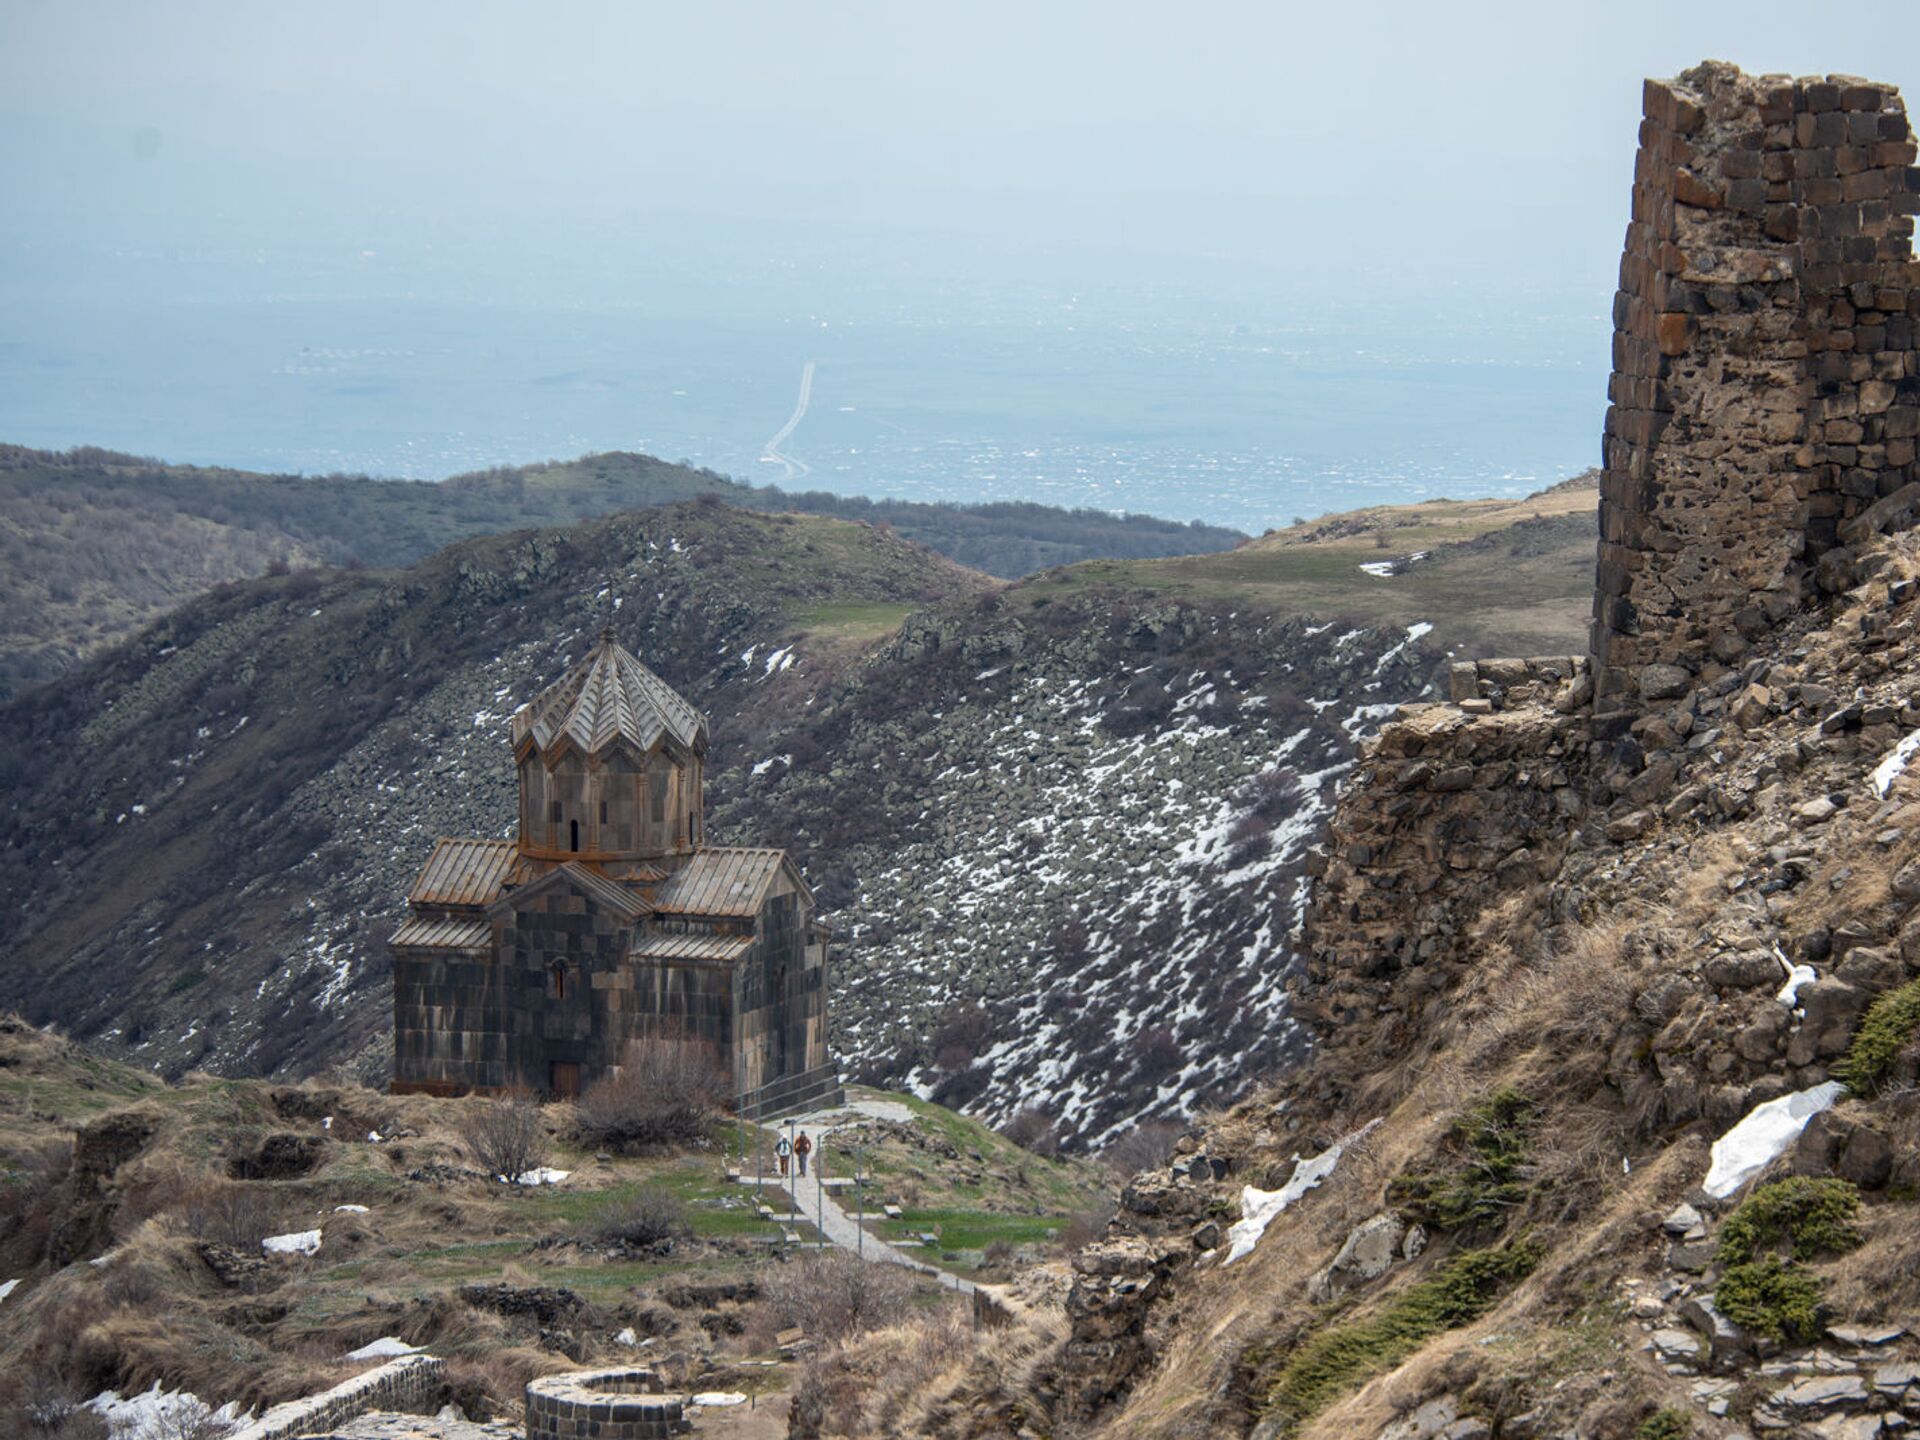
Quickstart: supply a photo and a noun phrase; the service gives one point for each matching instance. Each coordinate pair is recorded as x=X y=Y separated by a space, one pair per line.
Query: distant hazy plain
x=1205 y=400
x=1233 y=261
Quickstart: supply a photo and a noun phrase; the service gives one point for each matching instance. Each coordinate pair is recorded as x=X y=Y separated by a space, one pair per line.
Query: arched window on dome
x=557 y=980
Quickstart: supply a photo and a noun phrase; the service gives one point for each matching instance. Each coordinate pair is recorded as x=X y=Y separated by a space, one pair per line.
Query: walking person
x=782 y=1149
x=802 y=1148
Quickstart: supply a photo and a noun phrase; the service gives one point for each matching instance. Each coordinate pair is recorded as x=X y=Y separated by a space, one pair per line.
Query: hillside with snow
x=1058 y=827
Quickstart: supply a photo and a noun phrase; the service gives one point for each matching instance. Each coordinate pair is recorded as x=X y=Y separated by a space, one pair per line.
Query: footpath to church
x=841 y=1229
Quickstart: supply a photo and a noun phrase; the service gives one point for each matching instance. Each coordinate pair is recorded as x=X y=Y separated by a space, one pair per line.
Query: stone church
x=533 y=963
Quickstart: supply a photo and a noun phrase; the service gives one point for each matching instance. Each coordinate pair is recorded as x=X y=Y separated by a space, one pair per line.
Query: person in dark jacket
x=802 y=1148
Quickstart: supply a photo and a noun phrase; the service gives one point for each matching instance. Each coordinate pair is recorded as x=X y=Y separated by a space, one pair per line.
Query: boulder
x=1759 y=1042
x=1818 y=1145
x=1870 y=970
x=1832 y=1009
x=1664 y=682
x=1821 y=1395
x=1748 y=970
x=1368 y=1253
x=1630 y=826
x=1680 y=1219
x=1678 y=1347
x=1426 y=1423
x=1752 y=708
x=1866 y=1158
x=1728 y=1346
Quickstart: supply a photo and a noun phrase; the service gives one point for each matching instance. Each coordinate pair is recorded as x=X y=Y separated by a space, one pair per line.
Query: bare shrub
x=1144 y=1147
x=668 y=1091
x=1067 y=943
x=649 y=1218
x=44 y=1409
x=1033 y=1130
x=826 y=1401
x=924 y=1359
x=960 y=1088
x=832 y=1295
x=232 y=1213
x=504 y=1136
x=961 y=1036
x=1250 y=839
x=1157 y=1054
x=189 y=1420
x=1571 y=1003
x=1271 y=795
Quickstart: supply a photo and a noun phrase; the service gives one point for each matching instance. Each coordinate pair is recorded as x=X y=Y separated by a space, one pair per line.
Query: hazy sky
x=1350 y=142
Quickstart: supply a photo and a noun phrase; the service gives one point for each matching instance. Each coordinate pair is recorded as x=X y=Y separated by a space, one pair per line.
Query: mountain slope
x=1059 y=826
x=234 y=799
x=94 y=544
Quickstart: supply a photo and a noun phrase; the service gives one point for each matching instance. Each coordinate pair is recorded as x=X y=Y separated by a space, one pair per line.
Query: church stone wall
x=1764 y=383
x=616 y=805
x=561 y=957
x=781 y=999
x=450 y=1020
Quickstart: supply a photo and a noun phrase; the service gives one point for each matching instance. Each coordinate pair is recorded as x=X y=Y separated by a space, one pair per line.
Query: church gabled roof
x=720 y=880
x=608 y=696
x=588 y=881
x=464 y=873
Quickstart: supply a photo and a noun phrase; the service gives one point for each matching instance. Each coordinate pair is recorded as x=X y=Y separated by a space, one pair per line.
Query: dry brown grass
x=1880 y=1281
x=934 y=1376
x=1540 y=1021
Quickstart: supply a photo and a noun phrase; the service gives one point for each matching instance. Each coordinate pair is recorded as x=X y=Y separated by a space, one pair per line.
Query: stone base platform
x=385 y=1425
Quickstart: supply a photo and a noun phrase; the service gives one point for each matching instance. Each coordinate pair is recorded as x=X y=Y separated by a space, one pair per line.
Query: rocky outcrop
x=100 y=1149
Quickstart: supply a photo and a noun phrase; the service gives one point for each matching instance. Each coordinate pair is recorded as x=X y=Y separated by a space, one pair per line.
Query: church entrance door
x=564 y=1079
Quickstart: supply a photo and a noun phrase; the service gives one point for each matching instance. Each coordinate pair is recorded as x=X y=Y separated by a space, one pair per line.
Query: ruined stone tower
x=1763 y=417
x=1764 y=391
x=535 y=963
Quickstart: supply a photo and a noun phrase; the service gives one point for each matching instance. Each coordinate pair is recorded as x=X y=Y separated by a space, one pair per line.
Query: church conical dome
x=608 y=696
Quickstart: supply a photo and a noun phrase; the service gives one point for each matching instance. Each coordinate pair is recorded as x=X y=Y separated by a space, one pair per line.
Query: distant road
x=771 y=453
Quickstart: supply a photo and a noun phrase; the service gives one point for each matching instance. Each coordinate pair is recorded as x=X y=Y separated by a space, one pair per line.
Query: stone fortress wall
x=1765 y=408
x=412 y=1384
x=1764 y=389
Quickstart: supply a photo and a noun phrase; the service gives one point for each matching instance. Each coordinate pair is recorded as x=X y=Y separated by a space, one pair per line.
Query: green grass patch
x=1337 y=1360
x=973 y=1229
x=1812 y=1216
x=932 y=1181
x=1891 y=1025
x=855 y=620
x=1771 y=1297
x=1758 y=1289
x=715 y=1208
x=1666 y=1424
x=1487 y=1181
